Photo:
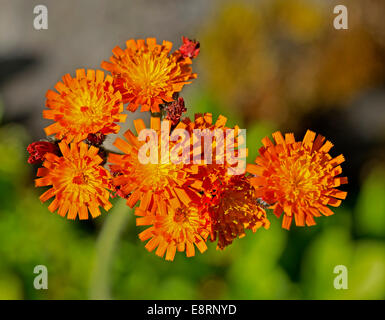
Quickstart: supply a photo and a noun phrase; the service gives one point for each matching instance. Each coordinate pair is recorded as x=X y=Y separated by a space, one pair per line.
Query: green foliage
x=30 y=235
x=330 y=249
x=370 y=210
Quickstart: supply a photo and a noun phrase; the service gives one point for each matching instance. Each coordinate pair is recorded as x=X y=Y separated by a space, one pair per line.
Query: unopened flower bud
x=38 y=149
x=189 y=48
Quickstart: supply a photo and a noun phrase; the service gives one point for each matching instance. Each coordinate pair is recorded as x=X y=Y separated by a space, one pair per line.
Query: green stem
x=106 y=245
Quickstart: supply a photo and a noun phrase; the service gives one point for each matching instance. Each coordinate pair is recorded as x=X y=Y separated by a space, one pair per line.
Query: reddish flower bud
x=38 y=149
x=189 y=48
x=96 y=139
x=175 y=110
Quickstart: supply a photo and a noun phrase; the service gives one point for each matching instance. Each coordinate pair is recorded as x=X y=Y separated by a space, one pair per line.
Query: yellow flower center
x=87 y=108
x=157 y=176
x=80 y=179
x=299 y=178
x=149 y=73
x=75 y=180
x=181 y=215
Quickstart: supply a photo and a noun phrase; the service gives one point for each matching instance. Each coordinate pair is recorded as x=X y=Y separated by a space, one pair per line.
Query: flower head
x=190 y=48
x=79 y=183
x=38 y=150
x=227 y=196
x=174 y=226
x=298 y=178
x=86 y=104
x=147 y=74
x=232 y=207
x=215 y=144
x=153 y=181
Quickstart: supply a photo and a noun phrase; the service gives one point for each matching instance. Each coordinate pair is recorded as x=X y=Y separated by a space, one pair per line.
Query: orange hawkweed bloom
x=228 y=199
x=152 y=182
x=147 y=74
x=83 y=105
x=298 y=178
x=175 y=226
x=227 y=144
x=78 y=181
x=232 y=207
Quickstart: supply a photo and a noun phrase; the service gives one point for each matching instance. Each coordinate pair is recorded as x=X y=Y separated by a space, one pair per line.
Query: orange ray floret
x=298 y=178
x=147 y=74
x=174 y=226
x=79 y=183
x=83 y=105
x=150 y=182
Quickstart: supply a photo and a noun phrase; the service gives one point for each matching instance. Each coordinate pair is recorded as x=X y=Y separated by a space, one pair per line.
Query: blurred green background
x=266 y=65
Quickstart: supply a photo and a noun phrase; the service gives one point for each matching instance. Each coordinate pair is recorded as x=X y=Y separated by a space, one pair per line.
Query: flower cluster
x=187 y=178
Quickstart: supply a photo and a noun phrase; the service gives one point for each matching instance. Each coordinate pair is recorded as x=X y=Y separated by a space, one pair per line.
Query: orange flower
x=228 y=199
x=175 y=226
x=83 y=105
x=298 y=178
x=231 y=204
x=226 y=153
x=146 y=74
x=151 y=182
x=78 y=182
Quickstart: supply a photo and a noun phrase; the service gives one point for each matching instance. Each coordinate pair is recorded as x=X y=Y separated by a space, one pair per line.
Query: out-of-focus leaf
x=13 y=153
x=367 y=274
x=364 y=260
x=10 y=286
x=330 y=249
x=174 y=286
x=255 y=273
x=370 y=209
